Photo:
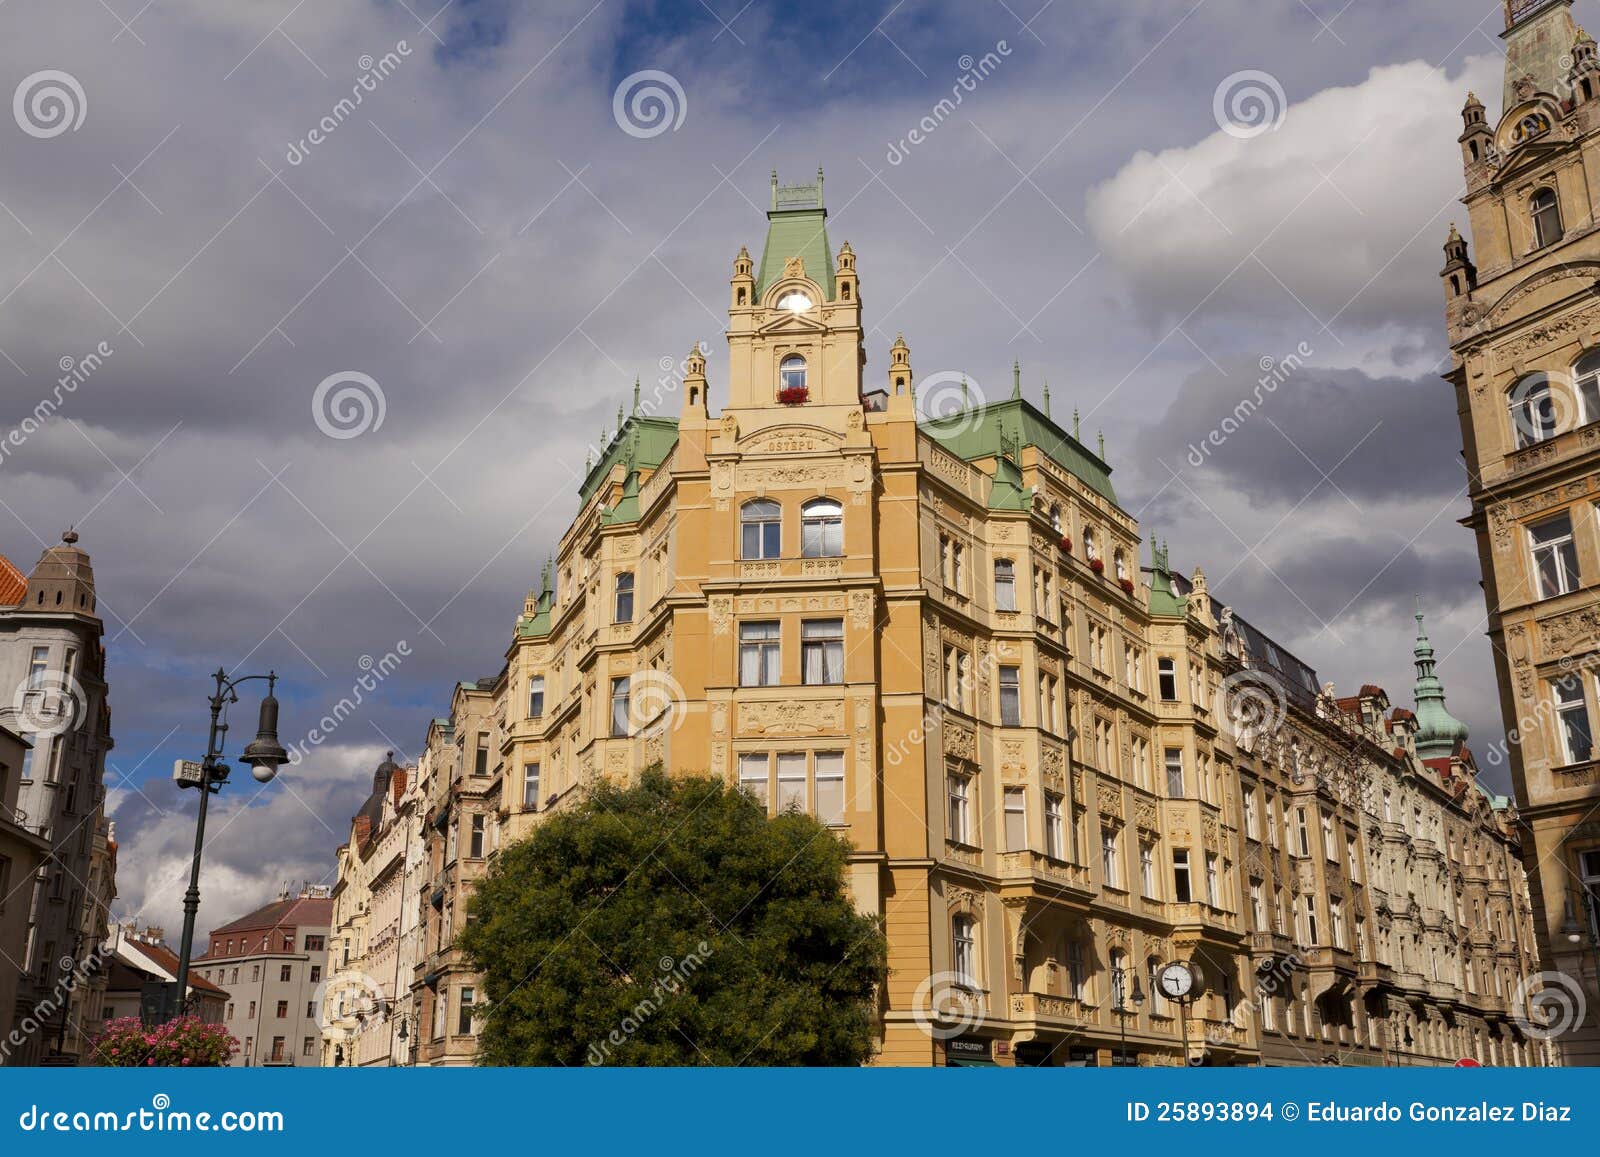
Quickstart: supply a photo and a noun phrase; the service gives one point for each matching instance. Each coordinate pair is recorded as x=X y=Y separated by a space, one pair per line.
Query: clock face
x=1176 y=980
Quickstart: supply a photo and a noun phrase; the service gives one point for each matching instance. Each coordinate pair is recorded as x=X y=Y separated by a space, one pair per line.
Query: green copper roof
x=983 y=432
x=649 y=440
x=1164 y=598
x=1438 y=732
x=796 y=227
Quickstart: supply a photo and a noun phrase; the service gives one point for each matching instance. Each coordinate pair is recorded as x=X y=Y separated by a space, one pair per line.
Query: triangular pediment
x=787 y=322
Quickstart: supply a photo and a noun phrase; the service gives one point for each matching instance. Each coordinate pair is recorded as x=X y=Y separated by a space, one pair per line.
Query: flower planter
x=1126 y=584
x=1098 y=565
x=1065 y=544
x=793 y=396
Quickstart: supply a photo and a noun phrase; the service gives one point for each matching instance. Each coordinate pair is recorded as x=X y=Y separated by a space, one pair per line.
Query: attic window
x=794 y=302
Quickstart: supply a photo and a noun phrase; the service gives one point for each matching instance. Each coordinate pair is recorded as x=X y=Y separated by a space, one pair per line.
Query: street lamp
x=1124 y=998
x=264 y=755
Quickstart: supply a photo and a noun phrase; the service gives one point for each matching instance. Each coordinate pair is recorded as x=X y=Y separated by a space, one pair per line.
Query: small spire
x=774 y=188
x=1047 y=397
x=70 y=537
x=965 y=401
x=1075 y=436
x=1102 y=434
x=1016 y=378
x=635 y=395
x=619 y=417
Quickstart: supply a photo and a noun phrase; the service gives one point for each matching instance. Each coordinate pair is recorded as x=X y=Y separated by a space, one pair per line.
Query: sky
x=350 y=356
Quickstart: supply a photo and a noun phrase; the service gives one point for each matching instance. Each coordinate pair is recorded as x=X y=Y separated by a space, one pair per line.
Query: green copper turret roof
x=648 y=440
x=796 y=227
x=1438 y=732
x=983 y=432
x=1164 y=598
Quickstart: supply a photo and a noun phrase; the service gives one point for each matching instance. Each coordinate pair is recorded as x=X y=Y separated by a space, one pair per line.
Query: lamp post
x=1123 y=1011
x=1576 y=932
x=264 y=755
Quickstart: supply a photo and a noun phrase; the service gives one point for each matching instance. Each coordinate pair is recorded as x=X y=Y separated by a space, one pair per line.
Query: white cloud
x=1334 y=218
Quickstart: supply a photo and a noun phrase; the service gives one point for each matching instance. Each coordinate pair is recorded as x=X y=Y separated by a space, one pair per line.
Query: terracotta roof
x=167 y=960
x=1372 y=689
x=309 y=912
x=13 y=583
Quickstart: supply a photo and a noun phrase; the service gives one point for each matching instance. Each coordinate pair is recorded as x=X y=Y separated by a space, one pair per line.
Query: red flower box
x=793 y=395
x=1098 y=565
x=1126 y=584
x=1065 y=544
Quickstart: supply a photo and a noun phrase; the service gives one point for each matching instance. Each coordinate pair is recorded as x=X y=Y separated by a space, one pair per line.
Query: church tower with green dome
x=1439 y=734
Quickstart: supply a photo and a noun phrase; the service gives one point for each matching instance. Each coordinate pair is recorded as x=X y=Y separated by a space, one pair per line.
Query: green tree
x=674 y=923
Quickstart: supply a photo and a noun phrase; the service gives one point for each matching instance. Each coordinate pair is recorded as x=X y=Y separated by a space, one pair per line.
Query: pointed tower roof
x=797 y=227
x=1439 y=733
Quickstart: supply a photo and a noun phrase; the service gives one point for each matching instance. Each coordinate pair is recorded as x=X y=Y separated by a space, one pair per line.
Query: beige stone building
x=1525 y=334
x=273 y=965
x=53 y=693
x=23 y=850
x=1054 y=768
x=367 y=1006
x=460 y=783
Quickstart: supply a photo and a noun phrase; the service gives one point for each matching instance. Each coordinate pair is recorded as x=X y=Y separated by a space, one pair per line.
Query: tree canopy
x=674 y=923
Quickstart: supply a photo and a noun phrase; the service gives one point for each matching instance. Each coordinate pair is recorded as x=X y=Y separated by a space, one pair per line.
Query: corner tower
x=1524 y=330
x=794 y=319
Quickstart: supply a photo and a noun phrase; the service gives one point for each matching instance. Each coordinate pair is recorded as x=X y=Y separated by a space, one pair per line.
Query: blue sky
x=482 y=239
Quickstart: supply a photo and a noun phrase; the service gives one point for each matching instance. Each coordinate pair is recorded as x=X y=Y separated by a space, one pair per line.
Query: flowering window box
x=793 y=395
x=1126 y=584
x=1065 y=544
x=1098 y=565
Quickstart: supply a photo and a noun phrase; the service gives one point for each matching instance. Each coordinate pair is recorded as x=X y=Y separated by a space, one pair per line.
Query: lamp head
x=265 y=754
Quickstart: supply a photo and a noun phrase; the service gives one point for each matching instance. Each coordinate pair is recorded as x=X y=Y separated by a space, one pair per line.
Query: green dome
x=1438 y=732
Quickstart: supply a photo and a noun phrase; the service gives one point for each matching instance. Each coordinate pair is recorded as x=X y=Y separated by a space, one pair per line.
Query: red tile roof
x=13 y=583
x=302 y=912
x=167 y=960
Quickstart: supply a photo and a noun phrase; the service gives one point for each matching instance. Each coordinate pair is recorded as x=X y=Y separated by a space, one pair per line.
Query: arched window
x=1546 y=213
x=760 y=529
x=822 y=529
x=1121 y=564
x=1533 y=411
x=1586 y=381
x=1091 y=549
x=792 y=374
x=1055 y=517
x=1121 y=981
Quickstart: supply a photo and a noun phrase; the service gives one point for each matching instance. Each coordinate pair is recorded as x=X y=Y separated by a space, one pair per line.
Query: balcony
x=1441 y=990
x=1042 y=1010
x=1036 y=866
x=1374 y=972
x=1273 y=944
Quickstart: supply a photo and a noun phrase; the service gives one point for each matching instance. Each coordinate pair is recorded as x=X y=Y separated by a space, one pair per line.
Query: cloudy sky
x=1144 y=204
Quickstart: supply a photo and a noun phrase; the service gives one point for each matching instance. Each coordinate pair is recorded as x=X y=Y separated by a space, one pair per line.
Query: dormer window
x=794 y=301
x=1546 y=213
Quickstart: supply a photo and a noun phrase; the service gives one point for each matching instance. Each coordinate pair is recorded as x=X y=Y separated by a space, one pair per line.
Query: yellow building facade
x=1054 y=767
x=1524 y=332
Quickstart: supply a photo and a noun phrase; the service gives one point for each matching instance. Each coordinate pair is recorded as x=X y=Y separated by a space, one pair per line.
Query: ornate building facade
x=53 y=695
x=367 y=1006
x=1525 y=334
x=1057 y=771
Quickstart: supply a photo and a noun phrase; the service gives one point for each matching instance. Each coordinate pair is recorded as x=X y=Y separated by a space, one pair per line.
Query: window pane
x=830 y=786
x=1016 y=809
x=753 y=776
x=792 y=781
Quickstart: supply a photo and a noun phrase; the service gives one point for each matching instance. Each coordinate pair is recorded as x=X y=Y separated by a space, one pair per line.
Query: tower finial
x=965 y=402
x=1047 y=397
x=1075 y=436
x=1016 y=378
x=1102 y=435
x=635 y=395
